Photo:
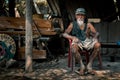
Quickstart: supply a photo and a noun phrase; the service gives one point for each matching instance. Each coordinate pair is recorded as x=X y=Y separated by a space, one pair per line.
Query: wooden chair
x=71 y=61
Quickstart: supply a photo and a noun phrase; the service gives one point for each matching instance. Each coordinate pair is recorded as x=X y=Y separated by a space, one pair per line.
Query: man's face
x=80 y=16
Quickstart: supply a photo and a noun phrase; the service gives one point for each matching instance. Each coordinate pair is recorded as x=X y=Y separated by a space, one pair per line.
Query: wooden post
x=28 y=37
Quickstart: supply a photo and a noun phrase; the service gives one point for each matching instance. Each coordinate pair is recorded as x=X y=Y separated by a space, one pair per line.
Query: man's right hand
x=65 y=35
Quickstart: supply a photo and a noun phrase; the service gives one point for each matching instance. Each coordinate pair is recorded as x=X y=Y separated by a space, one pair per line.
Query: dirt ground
x=58 y=70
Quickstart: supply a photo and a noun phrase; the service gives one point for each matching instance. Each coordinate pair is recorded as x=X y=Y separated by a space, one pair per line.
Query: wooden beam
x=37 y=54
x=43 y=32
x=19 y=23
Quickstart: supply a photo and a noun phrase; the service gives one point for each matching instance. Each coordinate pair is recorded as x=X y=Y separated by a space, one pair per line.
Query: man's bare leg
x=75 y=51
x=93 y=56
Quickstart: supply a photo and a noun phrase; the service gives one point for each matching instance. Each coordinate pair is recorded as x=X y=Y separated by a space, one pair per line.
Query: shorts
x=87 y=44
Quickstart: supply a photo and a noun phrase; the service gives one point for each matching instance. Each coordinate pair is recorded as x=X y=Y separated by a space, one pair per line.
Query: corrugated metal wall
x=109 y=33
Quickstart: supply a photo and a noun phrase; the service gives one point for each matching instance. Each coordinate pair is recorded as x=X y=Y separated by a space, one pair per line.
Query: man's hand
x=95 y=35
x=65 y=35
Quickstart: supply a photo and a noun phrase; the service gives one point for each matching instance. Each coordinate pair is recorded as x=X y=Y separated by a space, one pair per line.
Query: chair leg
x=100 y=60
x=87 y=57
x=69 y=58
x=72 y=62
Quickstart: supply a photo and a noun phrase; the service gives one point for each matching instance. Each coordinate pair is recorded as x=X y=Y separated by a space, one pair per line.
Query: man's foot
x=80 y=72
x=92 y=72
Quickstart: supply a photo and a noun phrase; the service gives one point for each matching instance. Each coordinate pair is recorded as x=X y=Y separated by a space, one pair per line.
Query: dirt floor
x=58 y=70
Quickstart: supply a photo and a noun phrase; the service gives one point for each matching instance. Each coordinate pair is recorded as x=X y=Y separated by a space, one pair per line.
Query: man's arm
x=93 y=33
x=67 y=31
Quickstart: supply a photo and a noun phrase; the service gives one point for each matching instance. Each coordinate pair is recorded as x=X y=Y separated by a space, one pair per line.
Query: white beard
x=80 y=22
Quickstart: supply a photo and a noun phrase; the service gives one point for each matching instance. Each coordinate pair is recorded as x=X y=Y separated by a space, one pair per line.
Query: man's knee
x=97 y=45
x=74 y=48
